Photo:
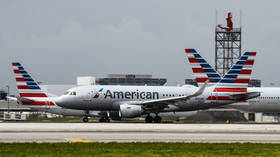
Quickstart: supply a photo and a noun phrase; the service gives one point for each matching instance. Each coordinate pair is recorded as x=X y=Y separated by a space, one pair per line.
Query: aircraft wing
x=162 y=103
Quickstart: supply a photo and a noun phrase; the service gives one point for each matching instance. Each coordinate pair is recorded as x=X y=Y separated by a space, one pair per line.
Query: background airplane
x=268 y=101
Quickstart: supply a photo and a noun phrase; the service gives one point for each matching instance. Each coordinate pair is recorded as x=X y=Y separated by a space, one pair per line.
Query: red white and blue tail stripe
x=28 y=88
x=201 y=69
x=240 y=73
x=236 y=80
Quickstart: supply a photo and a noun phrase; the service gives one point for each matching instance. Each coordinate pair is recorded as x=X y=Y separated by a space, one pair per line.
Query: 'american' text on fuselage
x=131 y=95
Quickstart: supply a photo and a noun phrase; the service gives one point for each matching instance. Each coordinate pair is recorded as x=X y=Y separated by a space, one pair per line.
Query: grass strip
x=138 y=149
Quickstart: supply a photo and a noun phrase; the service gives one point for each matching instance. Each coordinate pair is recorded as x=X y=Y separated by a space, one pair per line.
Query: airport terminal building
x=122 y=79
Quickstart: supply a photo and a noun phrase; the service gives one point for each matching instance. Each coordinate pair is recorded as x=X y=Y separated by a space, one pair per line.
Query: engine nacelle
x=130 y=111
x=115 y=115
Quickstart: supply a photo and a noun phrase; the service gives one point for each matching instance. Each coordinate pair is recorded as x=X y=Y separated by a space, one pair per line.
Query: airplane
x=45 y=102
x=268 y=101
x=135 y=101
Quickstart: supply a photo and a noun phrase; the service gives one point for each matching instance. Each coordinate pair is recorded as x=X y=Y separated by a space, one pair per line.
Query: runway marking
x=177 y=121
x=78 y=140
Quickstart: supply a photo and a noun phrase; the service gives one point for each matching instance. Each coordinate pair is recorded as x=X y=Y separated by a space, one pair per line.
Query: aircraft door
x=88 y=96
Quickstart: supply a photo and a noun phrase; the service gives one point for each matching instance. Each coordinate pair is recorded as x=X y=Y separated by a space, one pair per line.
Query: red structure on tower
x=227 y=46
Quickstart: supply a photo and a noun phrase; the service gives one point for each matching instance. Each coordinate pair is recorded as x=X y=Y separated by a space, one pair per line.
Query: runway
x=139 y=132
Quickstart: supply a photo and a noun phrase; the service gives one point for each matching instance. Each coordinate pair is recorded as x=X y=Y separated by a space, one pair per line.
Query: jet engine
x=130 y=111
x=115 y=115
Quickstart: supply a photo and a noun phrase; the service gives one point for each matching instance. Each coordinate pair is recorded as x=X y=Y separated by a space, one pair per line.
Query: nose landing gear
x=85 y=119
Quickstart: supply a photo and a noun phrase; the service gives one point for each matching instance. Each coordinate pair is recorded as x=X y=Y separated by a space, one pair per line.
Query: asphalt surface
x=139 y=132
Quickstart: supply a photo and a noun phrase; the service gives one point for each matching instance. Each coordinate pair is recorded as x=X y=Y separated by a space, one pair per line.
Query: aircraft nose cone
x=60 y=102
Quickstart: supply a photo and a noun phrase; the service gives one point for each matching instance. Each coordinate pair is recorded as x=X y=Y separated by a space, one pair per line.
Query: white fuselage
x=269 y=101
x=112 y=97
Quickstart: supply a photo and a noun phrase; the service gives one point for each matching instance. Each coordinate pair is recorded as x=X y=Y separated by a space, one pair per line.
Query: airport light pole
x=8 y=94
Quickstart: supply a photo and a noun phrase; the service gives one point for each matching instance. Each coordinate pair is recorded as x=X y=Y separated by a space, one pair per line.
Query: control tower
x=227 y=46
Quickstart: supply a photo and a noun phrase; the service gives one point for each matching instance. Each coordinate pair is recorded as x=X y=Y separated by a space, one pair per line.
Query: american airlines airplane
x=35 y=99
x=268 y=101
x=135 y=101
x=31 y=96
x=26 y=84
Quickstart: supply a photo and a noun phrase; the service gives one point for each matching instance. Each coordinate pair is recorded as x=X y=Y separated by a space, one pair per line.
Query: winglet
x=201 y=89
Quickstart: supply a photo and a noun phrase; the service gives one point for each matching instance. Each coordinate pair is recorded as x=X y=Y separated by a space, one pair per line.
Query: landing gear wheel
x=157 y=119
x=107 y=120
x=104 y=119
x=149 y=119
x=85 y=119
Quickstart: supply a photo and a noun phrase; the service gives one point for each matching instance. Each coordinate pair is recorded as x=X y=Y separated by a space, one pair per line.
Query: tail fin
x=235 y=82
x=29 y=91
x=201 y=69
x=240 y=73
x=27 y=87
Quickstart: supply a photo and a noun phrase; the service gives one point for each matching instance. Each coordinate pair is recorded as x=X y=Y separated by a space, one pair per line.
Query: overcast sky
x=58 y=40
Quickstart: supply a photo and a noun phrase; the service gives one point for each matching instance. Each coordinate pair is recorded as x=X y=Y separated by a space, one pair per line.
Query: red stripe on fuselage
x=14 y=64
x=39 y=103
x=198 y=70
x=33 y=95
x=230 y=90
x=218 y=98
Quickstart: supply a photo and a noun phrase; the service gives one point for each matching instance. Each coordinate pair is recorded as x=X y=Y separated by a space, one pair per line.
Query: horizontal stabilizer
x=245 y=96
x=20 y=99
x=12 y=98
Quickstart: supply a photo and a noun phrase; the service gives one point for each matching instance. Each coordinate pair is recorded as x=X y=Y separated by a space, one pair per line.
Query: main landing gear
x=85 y=119
x=150 y=119
x=104 y=119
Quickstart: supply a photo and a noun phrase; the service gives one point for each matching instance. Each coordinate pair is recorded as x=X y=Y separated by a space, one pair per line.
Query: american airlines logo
x=98 y=93
x=127 y=94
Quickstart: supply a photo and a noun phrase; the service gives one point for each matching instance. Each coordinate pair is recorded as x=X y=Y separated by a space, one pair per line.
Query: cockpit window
x=70 y=93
